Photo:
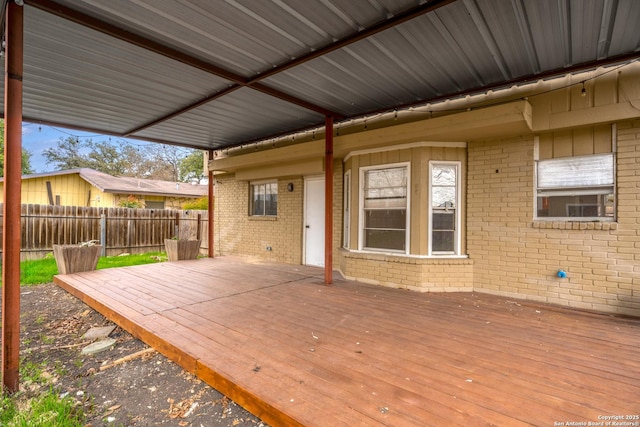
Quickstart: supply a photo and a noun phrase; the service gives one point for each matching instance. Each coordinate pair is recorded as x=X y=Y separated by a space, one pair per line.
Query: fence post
x=103 y=233
x=176 y=232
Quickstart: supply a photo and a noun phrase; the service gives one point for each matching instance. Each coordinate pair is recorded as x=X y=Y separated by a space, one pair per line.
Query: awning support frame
x=328 y=202
x=11 y=208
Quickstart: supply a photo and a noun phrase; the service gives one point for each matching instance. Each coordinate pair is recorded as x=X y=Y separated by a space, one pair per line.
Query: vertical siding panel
x=605 y=90
x=545 y=146
x=602 y=139
x=562 y=144
x=583 y=142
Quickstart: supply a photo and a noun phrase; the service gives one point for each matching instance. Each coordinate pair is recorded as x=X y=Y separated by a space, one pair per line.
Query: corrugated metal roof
x=213 y=74
x=242 y=115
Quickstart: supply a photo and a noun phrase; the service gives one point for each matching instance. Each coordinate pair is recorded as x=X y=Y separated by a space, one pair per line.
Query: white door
x=314 y=221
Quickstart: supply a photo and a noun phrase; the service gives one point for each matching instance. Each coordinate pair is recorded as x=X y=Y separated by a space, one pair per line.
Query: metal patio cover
x=211 y=74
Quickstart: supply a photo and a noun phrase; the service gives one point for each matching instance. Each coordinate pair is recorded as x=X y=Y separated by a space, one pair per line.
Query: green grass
x=127 y=260
x=38 y=271
x=34 y=272
x=44 y=408
x=48 y=410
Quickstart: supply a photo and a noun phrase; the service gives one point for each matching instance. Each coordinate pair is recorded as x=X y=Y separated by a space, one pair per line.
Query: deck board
x=295 y=352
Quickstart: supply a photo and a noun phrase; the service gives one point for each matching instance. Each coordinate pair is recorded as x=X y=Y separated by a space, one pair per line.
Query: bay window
x=346 y=221
x=444 y=212
x=384 y=218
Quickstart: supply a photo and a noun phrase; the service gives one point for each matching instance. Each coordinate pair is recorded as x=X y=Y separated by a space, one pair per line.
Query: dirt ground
x=146 y=391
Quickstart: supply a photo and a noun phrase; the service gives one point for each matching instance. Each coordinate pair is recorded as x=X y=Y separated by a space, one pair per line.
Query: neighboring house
x=504 y=193
x=88 y=187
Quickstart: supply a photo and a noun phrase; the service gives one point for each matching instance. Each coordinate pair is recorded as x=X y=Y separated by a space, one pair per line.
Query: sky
x=37 y=138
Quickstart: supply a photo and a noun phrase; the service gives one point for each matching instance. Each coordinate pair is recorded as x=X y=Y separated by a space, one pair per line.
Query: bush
x=201 y=204
x=130 y=202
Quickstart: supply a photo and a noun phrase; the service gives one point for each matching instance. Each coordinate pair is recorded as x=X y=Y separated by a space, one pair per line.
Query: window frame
x=346 y=210
x=361 y=210
x=252 y=186
x=595 y=189
x=155 y=204
x=457 y=243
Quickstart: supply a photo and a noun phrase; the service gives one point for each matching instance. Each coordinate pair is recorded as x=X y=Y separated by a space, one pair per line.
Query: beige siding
x=577 y=142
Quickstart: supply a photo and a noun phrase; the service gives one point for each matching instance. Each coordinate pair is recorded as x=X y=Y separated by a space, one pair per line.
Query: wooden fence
x=120 y=230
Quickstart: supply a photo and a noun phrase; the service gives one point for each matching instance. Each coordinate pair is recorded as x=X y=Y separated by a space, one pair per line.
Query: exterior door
x=314 y=221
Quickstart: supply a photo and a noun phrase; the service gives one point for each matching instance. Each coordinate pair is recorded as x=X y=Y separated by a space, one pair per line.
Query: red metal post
x=11 y=208
x=328 y=201
x=211 y=206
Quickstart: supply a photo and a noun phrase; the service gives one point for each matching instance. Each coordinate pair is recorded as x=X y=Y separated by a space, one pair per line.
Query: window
x=153 y=204
x=384 y=214
x=444 y=221
x=580 y=187
x=347 y=210
x=264 y=199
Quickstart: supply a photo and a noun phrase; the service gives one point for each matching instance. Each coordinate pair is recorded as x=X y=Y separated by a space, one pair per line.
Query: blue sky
x=37 y=138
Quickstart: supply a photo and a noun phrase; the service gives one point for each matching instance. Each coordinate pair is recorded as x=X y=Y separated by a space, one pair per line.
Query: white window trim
x=363 y=170
x=346 y=214
x=576 y=191
x=457 y=240
x=251 y=185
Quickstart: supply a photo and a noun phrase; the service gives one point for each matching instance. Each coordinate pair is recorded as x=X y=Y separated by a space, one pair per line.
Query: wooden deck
x=295 y=352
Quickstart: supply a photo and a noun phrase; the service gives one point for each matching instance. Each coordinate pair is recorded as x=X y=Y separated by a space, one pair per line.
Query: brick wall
x=238 y=233
x=509 y=253
x=516 y=256
x=414 y=273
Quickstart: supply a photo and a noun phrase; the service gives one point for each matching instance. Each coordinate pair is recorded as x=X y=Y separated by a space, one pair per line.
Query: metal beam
x=174 y=54
x=328 y=201
x=131 y=38
x=183 y=110
x=256 y=86
x=356 y=37
x=360 y=35
x=210 y=210
x=238 y=80
x=11 y=207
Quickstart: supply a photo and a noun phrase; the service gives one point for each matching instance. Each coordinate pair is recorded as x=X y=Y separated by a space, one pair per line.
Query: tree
x=192 y=167
x=68 y=154
x=108 y=158
x=170 y=157
x=121 y=158
x=26 y=155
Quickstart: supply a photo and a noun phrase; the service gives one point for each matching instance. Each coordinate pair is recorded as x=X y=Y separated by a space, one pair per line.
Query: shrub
x=130 y=202
x=201 y=204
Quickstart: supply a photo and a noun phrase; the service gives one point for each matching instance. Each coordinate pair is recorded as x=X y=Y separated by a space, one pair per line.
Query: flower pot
x=182 y=249
x=75 y=258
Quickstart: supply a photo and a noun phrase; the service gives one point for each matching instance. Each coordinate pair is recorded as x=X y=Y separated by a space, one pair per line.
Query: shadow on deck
x=292 y=351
